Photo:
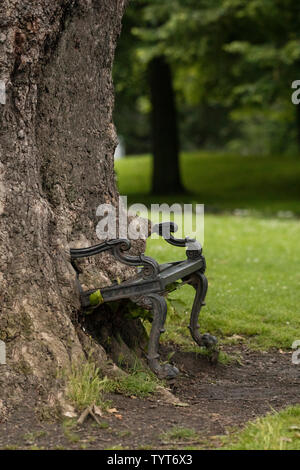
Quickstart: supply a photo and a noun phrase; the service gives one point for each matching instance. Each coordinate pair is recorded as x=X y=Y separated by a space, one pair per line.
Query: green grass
x=252 y=263
x=180 y=434
x=223 y=357
x=254 y=277
x=84 y=387
x=68 y=427
x=223 y=182
x=138 y=383
x=276 y=431
x=31 y=437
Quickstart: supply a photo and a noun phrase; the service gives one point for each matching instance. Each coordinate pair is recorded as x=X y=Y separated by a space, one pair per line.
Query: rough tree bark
x=56 y=146
x=165 y=141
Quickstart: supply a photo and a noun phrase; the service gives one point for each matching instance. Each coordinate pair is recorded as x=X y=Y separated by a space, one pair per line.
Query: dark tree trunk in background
x=166 y=173
x=57 y=143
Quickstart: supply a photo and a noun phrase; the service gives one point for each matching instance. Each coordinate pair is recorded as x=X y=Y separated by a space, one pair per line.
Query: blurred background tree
x=231 y=64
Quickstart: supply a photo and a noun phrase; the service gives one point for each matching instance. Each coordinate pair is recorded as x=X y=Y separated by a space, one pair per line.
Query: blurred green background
x=205 y=87
x=204 y=113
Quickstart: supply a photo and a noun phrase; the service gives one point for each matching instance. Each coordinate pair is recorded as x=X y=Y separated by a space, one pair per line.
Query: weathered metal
x=152 y=284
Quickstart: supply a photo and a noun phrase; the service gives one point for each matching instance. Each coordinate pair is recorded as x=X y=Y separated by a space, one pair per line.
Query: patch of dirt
x=219 y=398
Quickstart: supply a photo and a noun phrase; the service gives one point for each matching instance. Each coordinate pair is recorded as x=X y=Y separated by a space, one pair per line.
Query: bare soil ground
x=219 y=397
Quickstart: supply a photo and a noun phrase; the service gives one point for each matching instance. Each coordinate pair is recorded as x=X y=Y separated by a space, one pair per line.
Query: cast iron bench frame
x=149 y=288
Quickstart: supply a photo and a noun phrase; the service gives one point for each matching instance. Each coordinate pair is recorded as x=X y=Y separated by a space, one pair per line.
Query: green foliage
x=233 y=64
x=173 y=286
x=131 y=310
x=96 y=298
x=134 y=311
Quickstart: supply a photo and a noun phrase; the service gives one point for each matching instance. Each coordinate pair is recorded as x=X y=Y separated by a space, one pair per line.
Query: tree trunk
x=165 y=140
x=57 y=143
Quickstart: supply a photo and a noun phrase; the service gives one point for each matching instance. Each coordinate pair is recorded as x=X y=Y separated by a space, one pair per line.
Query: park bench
x=150 y=286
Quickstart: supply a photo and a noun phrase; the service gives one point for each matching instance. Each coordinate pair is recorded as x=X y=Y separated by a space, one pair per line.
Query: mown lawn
x=223 y=182
x=254 y=279
x=253 y=261
x=276 y=431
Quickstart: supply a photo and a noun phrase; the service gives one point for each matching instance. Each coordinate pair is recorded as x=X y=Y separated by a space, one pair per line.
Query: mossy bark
x=57 y=142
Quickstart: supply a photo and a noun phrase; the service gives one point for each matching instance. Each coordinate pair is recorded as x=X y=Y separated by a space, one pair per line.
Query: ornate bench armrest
x=95 y=249
x=164 y=229
x=118 y=247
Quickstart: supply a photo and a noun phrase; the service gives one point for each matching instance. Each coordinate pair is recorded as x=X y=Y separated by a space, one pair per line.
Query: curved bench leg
x=158 y=305
x=200 y=284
